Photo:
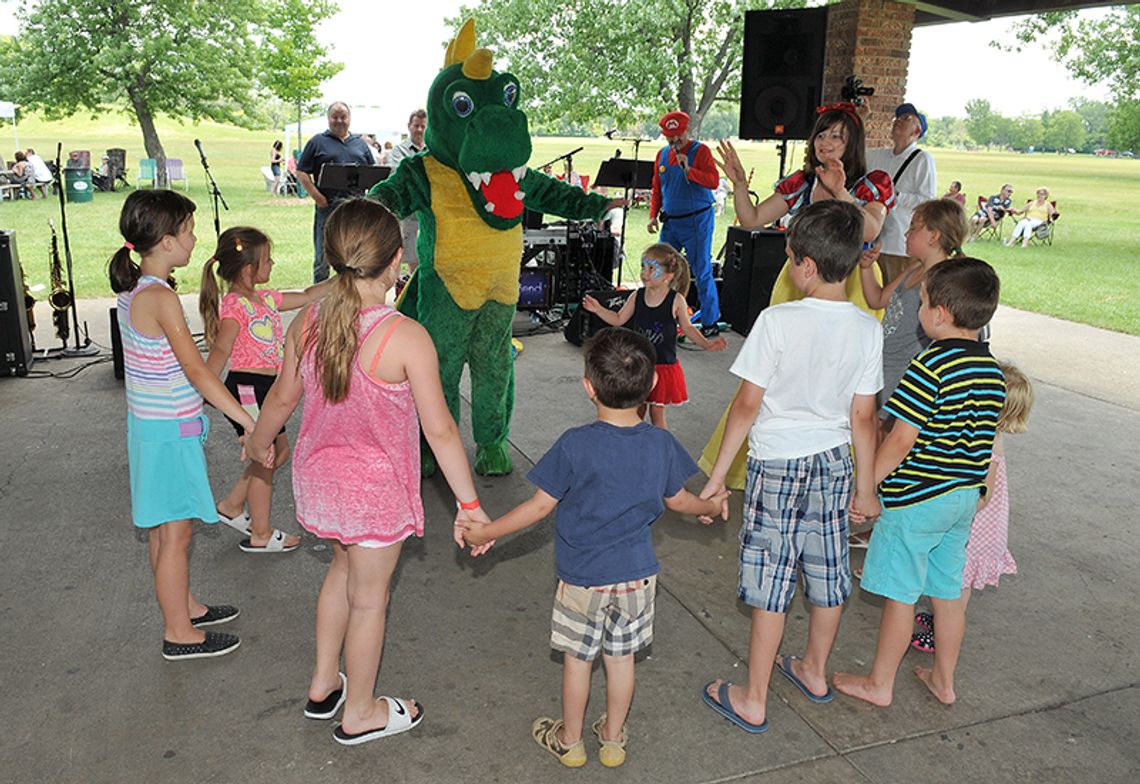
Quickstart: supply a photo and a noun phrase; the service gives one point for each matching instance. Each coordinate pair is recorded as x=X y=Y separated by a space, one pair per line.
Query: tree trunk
x=151 y=142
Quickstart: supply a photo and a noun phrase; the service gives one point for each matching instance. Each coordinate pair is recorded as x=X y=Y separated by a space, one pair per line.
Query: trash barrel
x=78 y=185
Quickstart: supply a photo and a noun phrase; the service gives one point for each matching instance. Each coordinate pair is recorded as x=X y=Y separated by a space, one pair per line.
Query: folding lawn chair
x=148 y=171
x=987 y=231
x=1043 y=234
x=175 y=172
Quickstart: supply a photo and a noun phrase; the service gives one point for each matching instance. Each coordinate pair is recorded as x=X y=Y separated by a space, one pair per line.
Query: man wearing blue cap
x=915 y=181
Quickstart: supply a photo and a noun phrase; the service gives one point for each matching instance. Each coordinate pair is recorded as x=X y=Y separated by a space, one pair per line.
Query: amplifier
x=752 y=262
x=16 y=356
x=584 y=324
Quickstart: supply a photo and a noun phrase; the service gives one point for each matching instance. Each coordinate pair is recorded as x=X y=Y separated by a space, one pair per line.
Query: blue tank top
x=658 y=325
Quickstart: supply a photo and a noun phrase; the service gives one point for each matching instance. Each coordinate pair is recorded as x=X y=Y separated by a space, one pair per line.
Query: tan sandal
x=545 y=733
x=612 y=753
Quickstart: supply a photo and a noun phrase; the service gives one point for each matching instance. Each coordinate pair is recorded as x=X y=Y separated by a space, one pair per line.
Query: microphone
x=201 y=152
x=610 y=133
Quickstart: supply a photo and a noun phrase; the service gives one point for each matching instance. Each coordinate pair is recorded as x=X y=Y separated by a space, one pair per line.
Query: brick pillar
x=871 y=39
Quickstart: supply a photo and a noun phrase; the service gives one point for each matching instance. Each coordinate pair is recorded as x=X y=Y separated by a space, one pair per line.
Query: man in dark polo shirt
x=336 y=145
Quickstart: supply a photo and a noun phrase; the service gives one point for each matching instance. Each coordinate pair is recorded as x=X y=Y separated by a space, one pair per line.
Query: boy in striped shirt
x=931 y=470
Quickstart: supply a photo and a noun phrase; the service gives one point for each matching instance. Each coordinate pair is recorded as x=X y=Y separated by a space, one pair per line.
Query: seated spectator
x=993 y=211
x=21 y=174
x=41 y=174
x=1036 y=213
x=955 y=194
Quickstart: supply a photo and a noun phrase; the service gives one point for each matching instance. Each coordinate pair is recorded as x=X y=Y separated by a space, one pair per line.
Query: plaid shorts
x=614 y=619
x=795 y=517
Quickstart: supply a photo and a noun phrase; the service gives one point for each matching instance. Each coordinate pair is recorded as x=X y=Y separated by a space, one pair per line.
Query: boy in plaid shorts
x=809 y=373
x=610 y=480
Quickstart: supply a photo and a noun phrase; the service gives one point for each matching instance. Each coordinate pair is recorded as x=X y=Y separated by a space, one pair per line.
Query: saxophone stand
x=215 y=194
x=63 y=300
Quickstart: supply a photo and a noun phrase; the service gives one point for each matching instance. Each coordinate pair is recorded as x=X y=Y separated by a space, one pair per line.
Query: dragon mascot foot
x=493 y=459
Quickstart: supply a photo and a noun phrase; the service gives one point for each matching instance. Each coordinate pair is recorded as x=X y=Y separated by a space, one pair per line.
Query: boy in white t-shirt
x=809 y=374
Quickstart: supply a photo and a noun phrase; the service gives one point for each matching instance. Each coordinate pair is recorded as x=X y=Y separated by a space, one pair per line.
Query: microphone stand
x=636 y=141
x=87 y=349
x=215 y=194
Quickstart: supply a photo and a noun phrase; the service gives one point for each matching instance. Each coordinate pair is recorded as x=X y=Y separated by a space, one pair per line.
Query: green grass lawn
x=1091 y=273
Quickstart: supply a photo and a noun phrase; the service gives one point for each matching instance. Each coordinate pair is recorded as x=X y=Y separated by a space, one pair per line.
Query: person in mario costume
x=684 y=178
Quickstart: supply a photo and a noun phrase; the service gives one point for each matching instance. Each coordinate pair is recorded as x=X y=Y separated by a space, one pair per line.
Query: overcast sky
x=390 y=63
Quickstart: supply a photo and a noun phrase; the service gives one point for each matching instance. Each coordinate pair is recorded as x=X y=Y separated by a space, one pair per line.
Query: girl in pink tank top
x=365 y=372
x=245 y=329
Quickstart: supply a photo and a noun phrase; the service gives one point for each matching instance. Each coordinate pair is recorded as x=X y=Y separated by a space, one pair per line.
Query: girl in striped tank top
x=365 y=372
x=165 y=381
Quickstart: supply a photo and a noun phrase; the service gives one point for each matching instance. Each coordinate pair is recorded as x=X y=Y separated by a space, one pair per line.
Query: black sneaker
x=222 y=613
x=710 y=330
x=215 y=644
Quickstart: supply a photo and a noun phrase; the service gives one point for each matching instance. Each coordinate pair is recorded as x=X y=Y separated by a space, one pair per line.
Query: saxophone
x=60 y=298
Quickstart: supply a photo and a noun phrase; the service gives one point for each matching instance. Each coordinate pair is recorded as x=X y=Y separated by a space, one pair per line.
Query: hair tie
x=237 y=246
x=846 y=107
x=128 y=245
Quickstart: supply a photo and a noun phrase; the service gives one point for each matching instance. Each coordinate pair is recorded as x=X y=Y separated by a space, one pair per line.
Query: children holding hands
x=609 y=481
x=809 y=373
x=931 y=468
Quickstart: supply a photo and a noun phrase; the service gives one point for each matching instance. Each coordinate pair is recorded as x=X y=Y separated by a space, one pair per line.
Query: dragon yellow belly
x=476 y=262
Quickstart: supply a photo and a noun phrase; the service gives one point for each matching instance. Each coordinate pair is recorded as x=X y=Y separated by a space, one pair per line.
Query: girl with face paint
x=657 y=311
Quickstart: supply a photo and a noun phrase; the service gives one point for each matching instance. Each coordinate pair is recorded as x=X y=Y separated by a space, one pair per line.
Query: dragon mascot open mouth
x=469 y=190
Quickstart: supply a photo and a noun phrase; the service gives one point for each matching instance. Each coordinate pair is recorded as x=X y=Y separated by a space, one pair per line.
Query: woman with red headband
x=835 y=167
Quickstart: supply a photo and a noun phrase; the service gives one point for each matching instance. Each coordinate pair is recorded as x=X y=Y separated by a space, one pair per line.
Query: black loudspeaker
x=782 y=77
x=15 y=339
x=752 y=262
x=584 y=324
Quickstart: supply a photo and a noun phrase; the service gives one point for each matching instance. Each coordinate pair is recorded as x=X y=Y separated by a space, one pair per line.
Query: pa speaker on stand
x=782 y=77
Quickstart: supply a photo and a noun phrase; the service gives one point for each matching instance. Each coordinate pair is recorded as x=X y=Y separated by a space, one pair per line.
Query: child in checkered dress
x=610 y=480
x=809 y=371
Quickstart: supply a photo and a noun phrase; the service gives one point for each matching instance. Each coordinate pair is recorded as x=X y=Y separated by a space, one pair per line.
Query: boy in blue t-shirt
x=931 y=470
x=610 y=480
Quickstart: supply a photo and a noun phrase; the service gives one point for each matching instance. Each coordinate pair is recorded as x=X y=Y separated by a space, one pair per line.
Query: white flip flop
x=276 y=544
x=239 y=523
x=399 y=720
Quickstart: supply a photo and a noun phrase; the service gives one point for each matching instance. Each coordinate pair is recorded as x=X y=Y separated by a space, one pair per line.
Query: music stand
x=629 y=175
x=352 y=177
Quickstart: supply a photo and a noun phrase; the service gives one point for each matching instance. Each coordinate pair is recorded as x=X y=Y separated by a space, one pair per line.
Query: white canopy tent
x=386 y=124
x=8 y=112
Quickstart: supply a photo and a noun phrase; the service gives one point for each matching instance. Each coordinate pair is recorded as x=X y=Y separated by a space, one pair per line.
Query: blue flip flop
x=783 y=664
x=724 y=708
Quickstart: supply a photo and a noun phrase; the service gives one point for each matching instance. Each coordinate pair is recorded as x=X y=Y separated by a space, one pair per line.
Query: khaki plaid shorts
x=614 y=619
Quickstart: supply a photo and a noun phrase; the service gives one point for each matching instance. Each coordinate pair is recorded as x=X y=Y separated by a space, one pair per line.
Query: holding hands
x=864 y=508
x=469 y=530
x=870 y=256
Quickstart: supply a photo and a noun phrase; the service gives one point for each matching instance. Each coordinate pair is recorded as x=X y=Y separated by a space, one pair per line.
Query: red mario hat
x=674 y=123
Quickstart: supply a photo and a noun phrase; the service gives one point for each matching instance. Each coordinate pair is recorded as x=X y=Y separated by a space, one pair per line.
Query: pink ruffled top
x=987 y=552
x=356 y=466
x=260 y=342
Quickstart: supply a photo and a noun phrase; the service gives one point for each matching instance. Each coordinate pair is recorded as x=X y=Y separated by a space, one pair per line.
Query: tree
x=1124 y=126
x=1093 y=50
x=1028 y=132
x=183 y=58
x=980 y=121
x=1064 y=130
x=293 y=65
x=1095 y=114
x=616 y=59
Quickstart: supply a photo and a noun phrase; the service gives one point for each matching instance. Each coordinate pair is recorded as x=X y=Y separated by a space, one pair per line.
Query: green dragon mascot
x=468 y=190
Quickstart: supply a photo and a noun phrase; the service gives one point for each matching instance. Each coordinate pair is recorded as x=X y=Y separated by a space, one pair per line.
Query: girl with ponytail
x=166 y=380
x=245 y=330
x=657 y=311
x=365 y=372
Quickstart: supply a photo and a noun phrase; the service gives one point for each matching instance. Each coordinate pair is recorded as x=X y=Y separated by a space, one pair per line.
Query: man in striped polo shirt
x=932 y=473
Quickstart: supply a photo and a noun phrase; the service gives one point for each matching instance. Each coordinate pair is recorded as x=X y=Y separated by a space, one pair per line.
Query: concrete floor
x=1047 y=682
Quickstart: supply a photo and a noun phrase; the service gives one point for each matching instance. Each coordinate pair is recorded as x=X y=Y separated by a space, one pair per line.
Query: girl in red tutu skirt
x=656 y=311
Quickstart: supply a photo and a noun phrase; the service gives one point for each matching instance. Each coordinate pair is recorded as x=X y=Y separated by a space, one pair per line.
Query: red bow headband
x=846 y=107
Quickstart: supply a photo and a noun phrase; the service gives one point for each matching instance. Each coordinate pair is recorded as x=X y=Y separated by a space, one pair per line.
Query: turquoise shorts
x=168 y=471
x=921 y=549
